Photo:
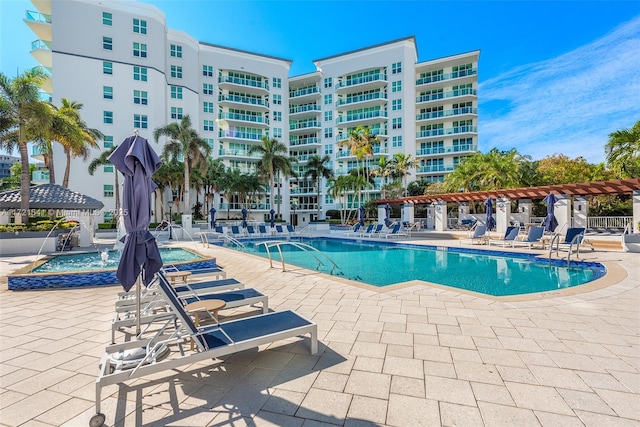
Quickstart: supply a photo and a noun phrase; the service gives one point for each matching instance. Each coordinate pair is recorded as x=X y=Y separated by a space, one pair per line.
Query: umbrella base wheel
x=97 y=420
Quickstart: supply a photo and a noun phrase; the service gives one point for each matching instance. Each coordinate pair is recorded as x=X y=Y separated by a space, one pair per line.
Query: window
x=107 y=190
x=397 y=141
x=207 y=70
x=107 y=141
x=207 y=89
x=277 y=132
x=107 y=92
x=396 y=104
x=277 y=116
x=208 y=125
x=328 y=132
x=328 y=82
x=277 y=82
x=176 y=113
x=140 y=121
x=328 y=116
x=107 y=67
x=176 y=92
x=396 y=68
x=210 y=142
x=396 y=86
x=328 y=149
x=176 y=72
x=107 y=43
x=139 y=26
x=328 y=199
x=328 y=99
x=107 y=168
x=139 y=50
x=107 y=19
x=140 y=74
x=176 y=51
x=207 y=107
x=107 y=117
x=397 y=123
x=140 y=97
x=277 y=99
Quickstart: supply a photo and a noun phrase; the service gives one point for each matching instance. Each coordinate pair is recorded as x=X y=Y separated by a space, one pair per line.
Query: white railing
x=609 y=221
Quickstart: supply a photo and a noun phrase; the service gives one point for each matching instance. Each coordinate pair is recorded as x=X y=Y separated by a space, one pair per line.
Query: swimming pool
x=488 y=272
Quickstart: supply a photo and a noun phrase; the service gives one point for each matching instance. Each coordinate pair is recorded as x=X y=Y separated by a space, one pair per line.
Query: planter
x=631 y=242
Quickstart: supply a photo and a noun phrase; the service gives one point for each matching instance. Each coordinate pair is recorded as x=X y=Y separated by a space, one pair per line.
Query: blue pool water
x=487 y=272
x=98 y=261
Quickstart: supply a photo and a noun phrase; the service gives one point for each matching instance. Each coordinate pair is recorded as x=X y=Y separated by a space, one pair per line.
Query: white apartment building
x=130 y=71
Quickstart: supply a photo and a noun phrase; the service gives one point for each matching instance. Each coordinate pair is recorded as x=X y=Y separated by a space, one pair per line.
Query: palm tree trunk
x=318 y=199
x=48 y=163
x=67 y=168
x=25 y=178
x=187 y=187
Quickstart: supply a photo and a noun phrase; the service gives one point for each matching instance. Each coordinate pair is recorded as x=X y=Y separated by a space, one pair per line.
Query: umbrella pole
x=138 y=295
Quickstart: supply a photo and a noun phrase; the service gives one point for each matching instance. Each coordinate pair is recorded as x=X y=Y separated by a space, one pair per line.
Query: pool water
x=487 y=272
x=106 y=260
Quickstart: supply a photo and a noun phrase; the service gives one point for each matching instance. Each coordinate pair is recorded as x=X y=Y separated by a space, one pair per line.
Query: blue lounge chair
x=251 y=231
x=262 y=229
x=212 y=342
x=354 y=230
x=476 y=235
x=367 y=230
x=394 y=232
x=236 y=231
x=572 y=240
x=290 y=229
x=509 y=237
x=376 y=230
x=280 y=231
x=534 y=237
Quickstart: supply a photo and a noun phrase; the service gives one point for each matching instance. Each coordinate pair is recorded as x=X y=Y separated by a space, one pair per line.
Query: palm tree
x=623 y=151
x=213 y=179
x=21 y=115
x=168 y=175
x=339 y=188
x=101 y=161
x=316 y=170
x=184 y=142
x=273 y=157
x=383 y=171
x=402 y=163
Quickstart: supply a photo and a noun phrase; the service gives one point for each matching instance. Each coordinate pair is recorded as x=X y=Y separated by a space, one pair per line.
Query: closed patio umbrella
x=212 y=212
x=387 y=218
x=361 y=215
x=550 y=222
x=491 y=222
x=244 y=218
x=273 y=220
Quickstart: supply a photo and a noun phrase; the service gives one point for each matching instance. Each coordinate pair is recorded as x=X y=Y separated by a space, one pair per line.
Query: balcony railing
x=606 y=222
x=240 y=135
x=446 y=131
x=238 y=153
x=34 y=16
x=440 y=150
x=361 y=98
x=305 y=91
x=361 y=80
x=435 y=168
x=447 y=113
x=446 y=76
x=40 y=176
x=248 y=206
x=304 y=125
x=302 y=108
x=243 y=117
x=243 y=82
x=447 y=94
x=361 y=116
x=40 y=45
x=304 y=141
x=243 y=100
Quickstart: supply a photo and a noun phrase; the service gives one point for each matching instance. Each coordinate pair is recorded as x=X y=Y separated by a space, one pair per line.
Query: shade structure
x=361 y=209
x=491 y=222
x=550 y=222
x=212 y=213
x=273 y=219
x=387 y=213
x=137 y=161
x=244 y=218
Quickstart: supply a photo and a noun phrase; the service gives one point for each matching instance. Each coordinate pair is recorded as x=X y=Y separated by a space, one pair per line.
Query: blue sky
x=554 y=77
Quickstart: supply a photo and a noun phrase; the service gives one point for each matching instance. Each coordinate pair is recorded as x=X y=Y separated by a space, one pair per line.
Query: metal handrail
x=305 y=248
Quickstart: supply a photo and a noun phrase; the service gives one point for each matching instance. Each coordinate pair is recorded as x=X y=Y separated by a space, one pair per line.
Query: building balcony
x=434 y=169
x=455 y=112
x=458 y=130
x=243 y=119
x=236 y=135
x=463 y=94
x=380 y=132
x=253 y=104
x=450 y=149
x=306 y=94
x=364 y=101
x=447 y=76
x=253 y=87
x=363 y=118
x=303 y=190
x=375 y=81
x=39 y=23
x=300 y=112
x=294 y=142
x=39 y=177
x=41 y=51
x=237 y=153
x=249 y=206
x=304 y=126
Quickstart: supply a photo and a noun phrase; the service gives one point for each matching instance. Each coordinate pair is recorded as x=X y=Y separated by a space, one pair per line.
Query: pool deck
x=409 y=355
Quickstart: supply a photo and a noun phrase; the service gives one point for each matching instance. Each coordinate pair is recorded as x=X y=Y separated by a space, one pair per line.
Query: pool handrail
x=305 y=248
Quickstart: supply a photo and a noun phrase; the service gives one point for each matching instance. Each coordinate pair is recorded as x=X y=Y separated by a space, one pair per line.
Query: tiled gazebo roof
x=50 y=196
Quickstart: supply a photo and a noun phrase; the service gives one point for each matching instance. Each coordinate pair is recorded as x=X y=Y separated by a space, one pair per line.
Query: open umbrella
x=212 y=212
x=273 y=220
x=361 y=215
x=244 y=218
x=137 y=161
x=550 y=222
x=387 y=218
x=491 y=222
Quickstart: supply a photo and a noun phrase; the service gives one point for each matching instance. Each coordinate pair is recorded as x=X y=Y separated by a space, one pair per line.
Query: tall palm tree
x=213 y=179
x=402 y=163
x=21 y=115
x=102 y=160
x=273 y=157
x=623 y=151
x=184 y=143
x=169 y=175
x=383 y=171
x=316 y=170
x=339 y=188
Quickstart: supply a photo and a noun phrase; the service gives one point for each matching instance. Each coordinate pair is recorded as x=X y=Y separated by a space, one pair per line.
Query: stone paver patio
x=410 y=356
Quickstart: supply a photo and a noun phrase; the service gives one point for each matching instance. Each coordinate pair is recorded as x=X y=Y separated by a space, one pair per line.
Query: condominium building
x=130 y=71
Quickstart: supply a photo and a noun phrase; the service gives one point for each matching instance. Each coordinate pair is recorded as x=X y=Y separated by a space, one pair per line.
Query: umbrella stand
x=138 y=296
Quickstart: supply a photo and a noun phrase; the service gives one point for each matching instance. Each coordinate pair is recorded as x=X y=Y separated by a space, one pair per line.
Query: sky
x=554 y=76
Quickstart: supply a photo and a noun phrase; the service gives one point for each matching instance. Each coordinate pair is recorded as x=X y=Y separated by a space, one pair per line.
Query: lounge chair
x=212 y=342
x=476 y=235
x=354 y=230
x=236 y=231
x=394 y=232
x=533 y=237
x=290 y=229
x=262 y=229
x=509 y=237
x=375 y=231
x=367 y=230
x=252 y=232
x=219 y=229
x=281 y=231
x=572 y=241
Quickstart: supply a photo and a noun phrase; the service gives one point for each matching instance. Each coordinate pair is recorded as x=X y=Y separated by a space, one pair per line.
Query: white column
x=4 y=217
x=382 y=214
x=503 y=214
x=524 y=209
x=636 y=211
x=580 y=211
x=430 y=225
x=463 y=210
x=186 y=226
x=441 y=216
x=408 y=212
x=562 y=212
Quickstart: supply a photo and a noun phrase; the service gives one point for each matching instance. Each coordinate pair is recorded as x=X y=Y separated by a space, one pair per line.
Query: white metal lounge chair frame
x=110 y=374
x=510 y=236
x=477 y=233
x=534 y=237
x=396 y=231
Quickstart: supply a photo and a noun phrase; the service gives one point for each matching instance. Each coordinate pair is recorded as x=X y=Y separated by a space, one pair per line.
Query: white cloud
x=568 y=104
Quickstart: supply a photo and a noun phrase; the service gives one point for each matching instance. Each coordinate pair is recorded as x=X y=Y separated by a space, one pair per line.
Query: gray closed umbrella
x=273 y=220
x=137 y=161
x=244 y=218
x=550 y=222
x=212 y=212
x=491 y=222
x=361 y=215
x=387 y=218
